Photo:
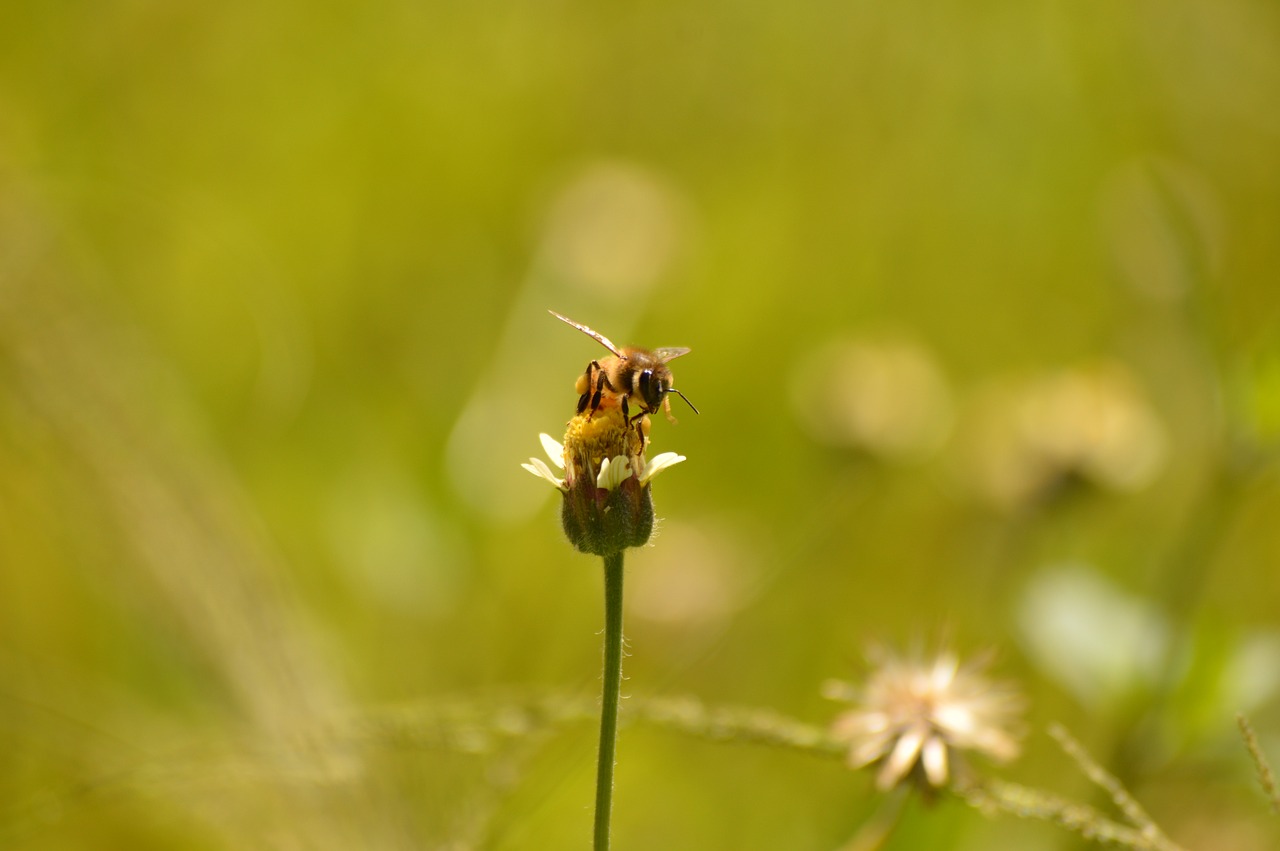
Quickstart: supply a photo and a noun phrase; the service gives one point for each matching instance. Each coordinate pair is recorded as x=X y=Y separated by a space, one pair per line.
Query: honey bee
x=630 y=375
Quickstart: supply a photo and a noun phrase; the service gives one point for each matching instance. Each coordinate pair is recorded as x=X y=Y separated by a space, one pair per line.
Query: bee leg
x=666 y=409
x=637 y=421
x=626 y=418
x=601 y=381
x=586 y=381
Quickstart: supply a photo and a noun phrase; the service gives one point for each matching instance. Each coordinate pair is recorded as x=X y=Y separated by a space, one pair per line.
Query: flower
x=917 y=717
x=607 y=502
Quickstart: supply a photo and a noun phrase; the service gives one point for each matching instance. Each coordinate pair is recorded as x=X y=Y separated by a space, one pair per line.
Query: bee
x=630 y=375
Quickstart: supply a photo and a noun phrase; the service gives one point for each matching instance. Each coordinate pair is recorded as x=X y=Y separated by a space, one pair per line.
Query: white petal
x=868 y=751
x=858 y=723
x=613 y=472
x=945 y=668
x=903 y=757
x=658 y=464
x=540 y=469
x=934 y=758
x=955 y=719
x=996 y=744
x=839 y=690
x=554 y=449
x=861 y=722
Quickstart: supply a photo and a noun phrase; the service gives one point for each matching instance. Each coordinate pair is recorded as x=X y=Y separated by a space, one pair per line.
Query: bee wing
x=670 y=353
x=600 y=338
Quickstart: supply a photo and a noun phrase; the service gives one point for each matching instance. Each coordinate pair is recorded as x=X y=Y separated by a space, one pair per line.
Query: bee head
x=653 y=385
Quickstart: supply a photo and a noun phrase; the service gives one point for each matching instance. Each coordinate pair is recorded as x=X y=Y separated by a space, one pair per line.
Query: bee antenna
x=682 y=396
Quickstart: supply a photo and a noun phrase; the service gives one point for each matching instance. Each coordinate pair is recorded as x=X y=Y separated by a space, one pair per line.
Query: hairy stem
x=609 y=699
x=1266 y=777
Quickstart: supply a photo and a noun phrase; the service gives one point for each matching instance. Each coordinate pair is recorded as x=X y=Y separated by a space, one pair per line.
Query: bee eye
x=650 y=390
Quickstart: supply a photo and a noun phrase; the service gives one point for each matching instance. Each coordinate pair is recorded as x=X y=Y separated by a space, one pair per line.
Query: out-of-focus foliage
x=985 y=322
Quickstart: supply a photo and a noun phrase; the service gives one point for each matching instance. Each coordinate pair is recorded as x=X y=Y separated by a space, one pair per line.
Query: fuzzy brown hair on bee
x=628 y=376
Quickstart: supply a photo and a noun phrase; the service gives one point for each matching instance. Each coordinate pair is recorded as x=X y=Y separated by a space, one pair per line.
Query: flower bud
x=606 y=506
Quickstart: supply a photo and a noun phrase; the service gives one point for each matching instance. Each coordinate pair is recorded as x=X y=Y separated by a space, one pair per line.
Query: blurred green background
x=984 y=309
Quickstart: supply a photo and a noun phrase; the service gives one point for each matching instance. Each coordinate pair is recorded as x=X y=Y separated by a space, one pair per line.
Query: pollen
x=591 y=438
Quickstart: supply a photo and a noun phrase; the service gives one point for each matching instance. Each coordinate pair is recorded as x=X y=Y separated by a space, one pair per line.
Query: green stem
x=609 y=700
x=875 y=832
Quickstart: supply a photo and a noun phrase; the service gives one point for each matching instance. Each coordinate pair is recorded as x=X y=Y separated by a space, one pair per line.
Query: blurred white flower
x=916 y=716
x=1090 y=422
x=614 y=230
x=703 y=573
x=1098 y=641
x=887 y=396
